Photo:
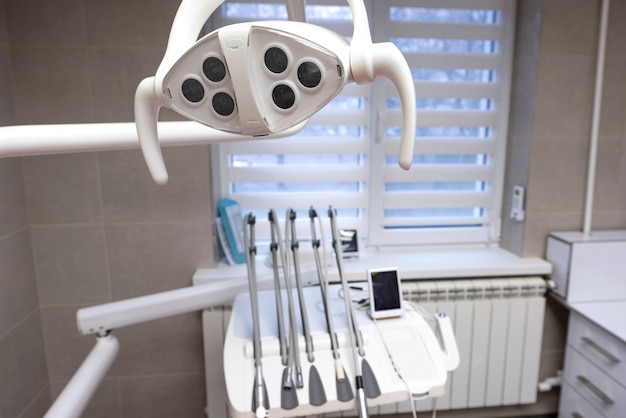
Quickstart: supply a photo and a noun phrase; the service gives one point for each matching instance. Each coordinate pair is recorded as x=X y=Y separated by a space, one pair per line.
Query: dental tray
x=416 y=352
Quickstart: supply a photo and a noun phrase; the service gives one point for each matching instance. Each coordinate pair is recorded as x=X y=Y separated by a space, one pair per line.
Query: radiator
x=498 y=325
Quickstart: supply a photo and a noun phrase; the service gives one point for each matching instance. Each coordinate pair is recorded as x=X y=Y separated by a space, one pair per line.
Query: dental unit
x=257 y=81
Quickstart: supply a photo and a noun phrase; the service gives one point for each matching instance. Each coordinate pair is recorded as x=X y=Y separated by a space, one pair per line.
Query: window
x=460 y=54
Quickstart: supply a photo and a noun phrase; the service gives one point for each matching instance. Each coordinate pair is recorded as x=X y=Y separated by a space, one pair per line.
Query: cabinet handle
x=576 y=415
x=600 y=349
x=596 y=390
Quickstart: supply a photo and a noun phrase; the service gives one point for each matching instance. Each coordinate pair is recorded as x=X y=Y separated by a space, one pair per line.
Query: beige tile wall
x=23 y=374
x=562 y=114
x=101 y=230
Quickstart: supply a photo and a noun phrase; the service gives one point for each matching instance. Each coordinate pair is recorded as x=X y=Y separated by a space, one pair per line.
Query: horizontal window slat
x=451 y=4
x=439 y=173
x=344 y=200
x=340 y=117
x=452 y=90
x=464 y=61
x=446 y=118
x=343 y=28
x=445 y=146
x=300 y=146
x=434 y=236
x=429 y=30
x=290 y=174
x=416 y=200
x=435 y=221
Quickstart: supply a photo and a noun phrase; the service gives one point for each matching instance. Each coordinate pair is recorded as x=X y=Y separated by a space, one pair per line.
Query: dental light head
x=259 y=78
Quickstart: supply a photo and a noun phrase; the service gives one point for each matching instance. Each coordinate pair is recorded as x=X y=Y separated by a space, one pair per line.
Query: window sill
x=432 y=264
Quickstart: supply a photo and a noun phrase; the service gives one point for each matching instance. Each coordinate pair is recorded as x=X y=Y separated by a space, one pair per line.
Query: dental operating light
x=260 y=78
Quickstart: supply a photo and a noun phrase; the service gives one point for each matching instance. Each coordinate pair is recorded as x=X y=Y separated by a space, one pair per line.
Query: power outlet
x=517 y=206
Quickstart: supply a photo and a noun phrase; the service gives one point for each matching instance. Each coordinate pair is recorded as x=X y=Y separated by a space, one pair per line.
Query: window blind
x=460 y=54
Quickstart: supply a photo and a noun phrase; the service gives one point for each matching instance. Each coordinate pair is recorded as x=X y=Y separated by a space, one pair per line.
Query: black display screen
x=385 y=290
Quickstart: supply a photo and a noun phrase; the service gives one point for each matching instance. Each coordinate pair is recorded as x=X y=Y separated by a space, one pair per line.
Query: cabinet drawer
x=572 y=405
x=602 y=348
x=600 y=390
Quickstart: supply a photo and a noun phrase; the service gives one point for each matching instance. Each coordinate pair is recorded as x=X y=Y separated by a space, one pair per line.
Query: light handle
x=389 y=62
x=370 y=60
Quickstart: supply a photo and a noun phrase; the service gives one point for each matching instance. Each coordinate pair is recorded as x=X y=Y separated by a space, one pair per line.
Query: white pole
x=77 y=393
x=29 y=140
x=114 y=315
x=595 y=125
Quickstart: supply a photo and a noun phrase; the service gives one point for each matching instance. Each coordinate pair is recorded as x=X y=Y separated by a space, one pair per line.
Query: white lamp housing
x=261 y=78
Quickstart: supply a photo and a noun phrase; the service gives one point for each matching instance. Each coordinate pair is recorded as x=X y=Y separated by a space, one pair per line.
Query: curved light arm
x=296 y=10
x=360 y=46
x=188 y=22
x=387 y=60
x=370 y=60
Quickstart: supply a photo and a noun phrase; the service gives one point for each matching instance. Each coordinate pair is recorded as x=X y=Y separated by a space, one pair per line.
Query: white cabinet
x=588 y=268
x=594 y=378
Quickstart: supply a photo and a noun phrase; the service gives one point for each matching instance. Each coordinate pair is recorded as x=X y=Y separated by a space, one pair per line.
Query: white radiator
x=498 y=325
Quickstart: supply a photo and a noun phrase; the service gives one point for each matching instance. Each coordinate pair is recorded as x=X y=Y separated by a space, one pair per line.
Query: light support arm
x=114 y=315
x=32 y=140
x=76 y=395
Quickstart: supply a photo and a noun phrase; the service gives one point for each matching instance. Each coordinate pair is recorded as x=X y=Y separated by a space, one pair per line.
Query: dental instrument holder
x=260 y=404
x=252 y=99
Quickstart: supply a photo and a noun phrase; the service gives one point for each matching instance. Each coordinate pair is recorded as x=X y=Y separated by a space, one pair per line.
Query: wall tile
x=59 y=22
x=22 y=366
x=143 y=23
x=551 y=363
x=179 y=339
x=603 y=220
x=557 y=175
x=7 y=116
x=563 y=97
x=53 y=85
x=164 y=396
x=616 y=34
x=65 y=347
x=540 y=224
x=149 y=258
x=130 y=194
x=70 y=262
x=105 y=402
x=62 y=188
x=12 y=202
x=554 y=326
x=607 y=183
x=115 y=74
x=570 y=27
x=18 y=295
x=38 y=406
x=3 y=25
x=613 y=103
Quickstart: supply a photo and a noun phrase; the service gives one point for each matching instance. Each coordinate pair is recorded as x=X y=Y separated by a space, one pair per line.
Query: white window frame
x=371 y=225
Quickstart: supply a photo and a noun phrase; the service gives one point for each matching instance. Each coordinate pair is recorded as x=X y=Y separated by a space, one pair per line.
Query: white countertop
x=418 y=264
x=609 y=315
